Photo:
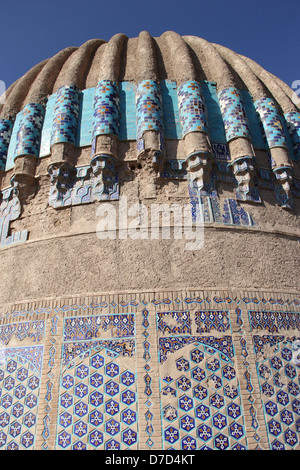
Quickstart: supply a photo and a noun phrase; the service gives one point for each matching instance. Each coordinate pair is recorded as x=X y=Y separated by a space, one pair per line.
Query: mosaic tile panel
x=174 y=322
x=274 y=322
x=220 y=151
x=171 y=344
x=250 y=399
x=34 y=330
x=149 y=111
x=233 y=214
x=207 y=207
x=98 y=407
x=66 y=112
x=122 y=110
x=158 y=299
x=10 y=210
x=86 y=328
x=209 y=320
x=233 y=113
x=83 y=187
x=214 y=115
x=20 y=375
x=279 y=376
x=147 y=379
x=293 y=124
x=122 y=346
x=5 y=133
x=29 y=133
x=201 y=403
x=269 y=116
x=50 y=382
x=106 y=114
x=192 y=110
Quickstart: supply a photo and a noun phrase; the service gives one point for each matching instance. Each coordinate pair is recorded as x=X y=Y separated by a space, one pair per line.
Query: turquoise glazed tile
x=5 y=134
x=270 y=118
x=234 y=116
x=192 y=109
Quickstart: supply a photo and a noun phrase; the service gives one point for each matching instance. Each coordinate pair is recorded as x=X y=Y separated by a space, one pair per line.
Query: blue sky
x=264 y=30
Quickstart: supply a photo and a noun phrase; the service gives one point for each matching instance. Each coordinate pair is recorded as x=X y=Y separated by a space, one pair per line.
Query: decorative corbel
x=62 y=176
x=199 y=165
x=283 y=188
x=10 y=210
x=103 y=169
x=244 y=172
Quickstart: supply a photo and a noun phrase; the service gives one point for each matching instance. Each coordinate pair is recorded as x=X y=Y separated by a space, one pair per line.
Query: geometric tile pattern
x=149 y=114
x=98 y=389
x=208 y=320
x=29 y=134
x=20 y=372
x=106 y=113
x=274 y=321
x=49 y=385
x=171 y=344
x=279 y=378
x=249 y=399
x=32 y=329
x=192 y=109
x=156 y=300
x=91 y=327
x=181 y=323
x=5 y=132
x=98 y=404
x=201 y=401
x=84 y=187
x=10 y=210
x=270 y=119
x=127 y=110
x=233 y=113
x=66 y=112
x=147 y=379
x=207 y=207
x=233 y=214
x=220 y=151
x=293 y=125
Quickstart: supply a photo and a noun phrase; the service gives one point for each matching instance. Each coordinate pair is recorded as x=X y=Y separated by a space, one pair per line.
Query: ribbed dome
x=149 y=237
x=178 y=58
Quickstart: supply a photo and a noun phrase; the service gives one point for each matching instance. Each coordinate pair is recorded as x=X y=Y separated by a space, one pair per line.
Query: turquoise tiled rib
x=128 y=109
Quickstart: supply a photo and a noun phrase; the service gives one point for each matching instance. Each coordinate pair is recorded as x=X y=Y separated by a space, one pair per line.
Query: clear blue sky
x=264 y=30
